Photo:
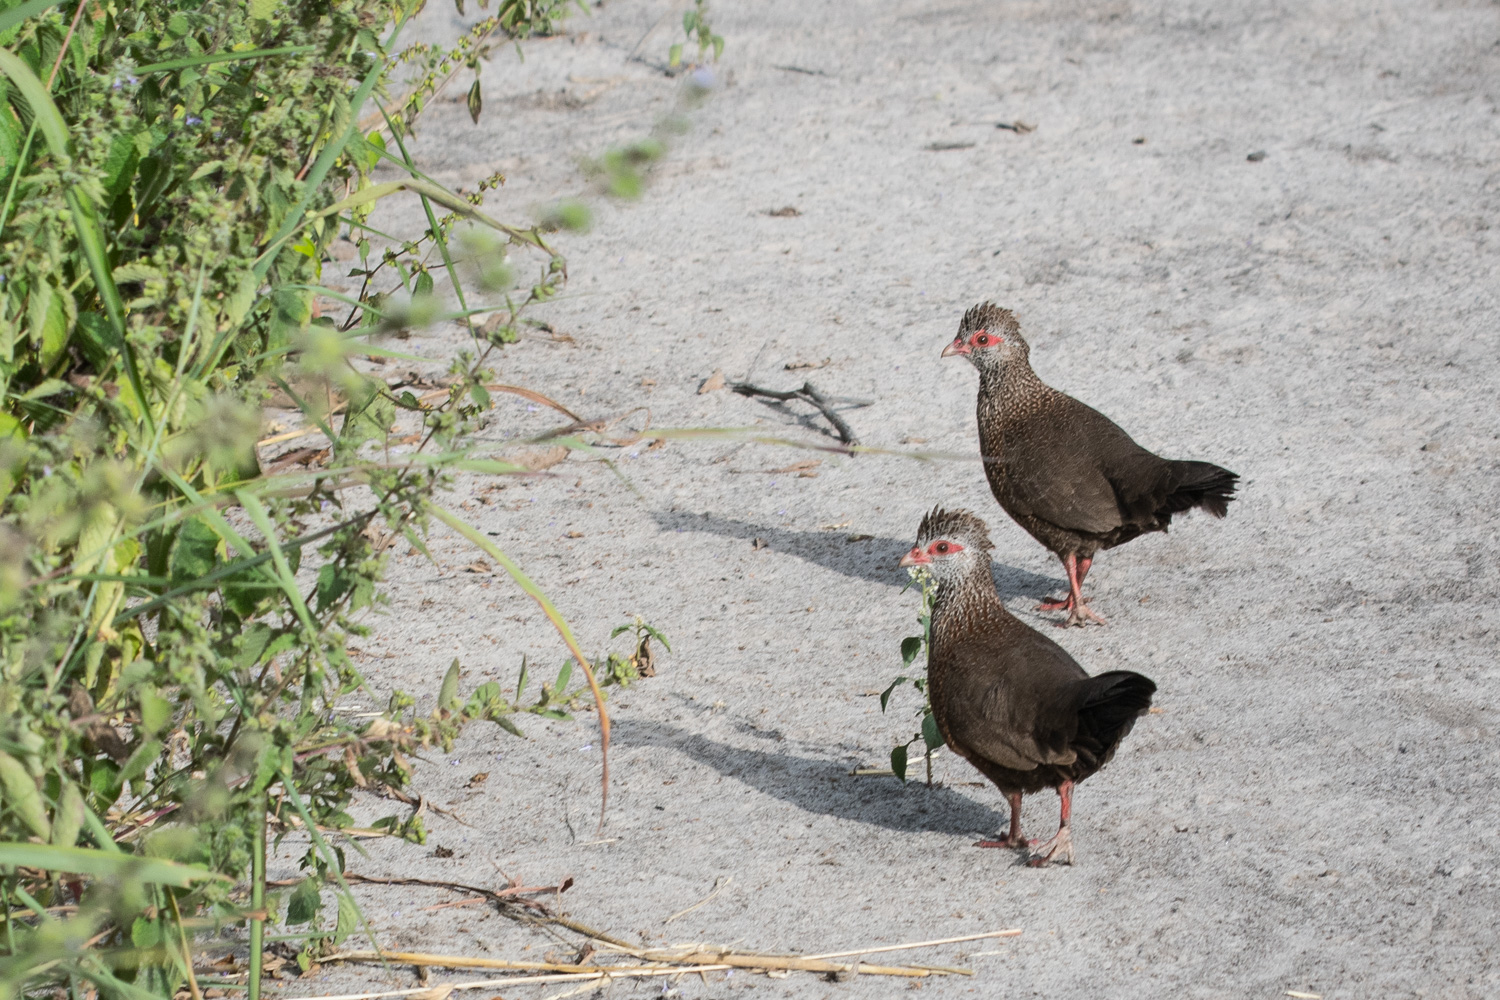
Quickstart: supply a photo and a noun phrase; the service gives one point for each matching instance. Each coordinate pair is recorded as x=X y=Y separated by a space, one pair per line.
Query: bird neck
x=965 y=602
x=1008 y=378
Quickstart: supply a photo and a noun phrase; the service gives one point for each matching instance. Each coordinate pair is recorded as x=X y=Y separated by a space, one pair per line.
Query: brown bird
x=1064 y=471
x=1006 y=698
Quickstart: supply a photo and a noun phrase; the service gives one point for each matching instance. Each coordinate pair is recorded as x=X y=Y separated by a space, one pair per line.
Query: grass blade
x=13 y=17
x=555 y=617
x=105 y=864
x=222 y=57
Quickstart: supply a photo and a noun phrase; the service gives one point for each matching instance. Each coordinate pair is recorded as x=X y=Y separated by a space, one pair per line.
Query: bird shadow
x=820 y=785
x=873 y=559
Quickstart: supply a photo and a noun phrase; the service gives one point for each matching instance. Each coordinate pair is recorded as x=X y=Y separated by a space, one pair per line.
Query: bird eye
x=942 y=547
x=982 y=339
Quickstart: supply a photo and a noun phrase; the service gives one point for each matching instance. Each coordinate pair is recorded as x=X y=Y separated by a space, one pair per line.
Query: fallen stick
x=453 y=961
x=490 y=984
x=796 y=964
x=811 y=395
x=692 y=960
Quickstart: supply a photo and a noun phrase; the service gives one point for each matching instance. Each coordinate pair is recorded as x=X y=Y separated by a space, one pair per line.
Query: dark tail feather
x=1201 y=484
x=1111 y=703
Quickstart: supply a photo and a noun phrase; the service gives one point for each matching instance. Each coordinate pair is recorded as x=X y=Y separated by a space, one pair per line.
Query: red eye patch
x=944 y=548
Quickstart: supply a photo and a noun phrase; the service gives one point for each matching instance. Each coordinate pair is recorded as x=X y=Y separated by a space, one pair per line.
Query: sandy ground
x=1315 y=808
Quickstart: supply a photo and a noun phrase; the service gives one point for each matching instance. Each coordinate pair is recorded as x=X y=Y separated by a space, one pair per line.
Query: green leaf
x=145 y=933
x=305 y=902
x=480 y=395
x=448 y=693
x=136 y=272
x=898 y=762
x=885 y=695
x=348 y=920
x=910 y=647
x=67 y=818
x=49 y=323
x=674 y=56
x=931 y=735
x=658 y=637
x=194 y=553
x=423 y=286
x=22 y=797
x=105 y=864
x=50 y=387
x=475 y=101
x=156 y=711
x=718 y=47
x=521 y=681
x=563 y=677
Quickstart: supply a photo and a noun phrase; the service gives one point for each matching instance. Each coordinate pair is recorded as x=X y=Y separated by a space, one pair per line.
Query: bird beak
x=957 y=347
x=916 y=557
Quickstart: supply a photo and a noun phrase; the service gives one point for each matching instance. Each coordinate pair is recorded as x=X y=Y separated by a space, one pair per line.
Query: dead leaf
x=436 y=993
x=380 y=728
x=758 y=543
x=834 y=527
x=713 y=383
x=913 y=440
x=479 y=779
x=859 y=538
x=477 y=566
x=811 y=463
x=575 y=534
x=792 y=366
x=442 y=852
x=785 y=212
x=807 y=475
x=537 y=459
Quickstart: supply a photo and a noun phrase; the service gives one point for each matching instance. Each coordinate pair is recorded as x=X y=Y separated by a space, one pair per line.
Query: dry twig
x=811 y=395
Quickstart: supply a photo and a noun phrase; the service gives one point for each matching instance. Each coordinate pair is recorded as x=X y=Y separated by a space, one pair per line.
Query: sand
x=1259 y=234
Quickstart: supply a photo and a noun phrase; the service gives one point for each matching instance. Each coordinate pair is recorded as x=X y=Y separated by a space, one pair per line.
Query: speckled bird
x=1008 y=699
x=1064 y=471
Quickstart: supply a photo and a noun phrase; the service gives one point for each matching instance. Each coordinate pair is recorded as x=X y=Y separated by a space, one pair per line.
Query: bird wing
x=1012 y=698
x=1073 y=467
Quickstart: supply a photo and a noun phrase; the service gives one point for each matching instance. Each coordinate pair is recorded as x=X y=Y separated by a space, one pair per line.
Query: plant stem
x=257 y=894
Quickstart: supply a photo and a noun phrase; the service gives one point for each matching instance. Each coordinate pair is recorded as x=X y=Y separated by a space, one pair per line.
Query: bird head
x=989 y=337
x=950 y=544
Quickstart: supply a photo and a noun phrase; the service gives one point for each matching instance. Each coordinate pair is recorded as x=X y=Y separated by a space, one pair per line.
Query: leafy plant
x=696 y=26
x=176 y=601
x=912 y=647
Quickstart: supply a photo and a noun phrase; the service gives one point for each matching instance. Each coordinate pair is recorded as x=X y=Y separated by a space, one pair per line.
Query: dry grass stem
x=1012 y=932
x=718 y=888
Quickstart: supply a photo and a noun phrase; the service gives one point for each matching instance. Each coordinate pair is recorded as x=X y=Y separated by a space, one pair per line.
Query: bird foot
x=1004 y=842
x=1080 y=615
x=1060 y=604
x=1058 y=849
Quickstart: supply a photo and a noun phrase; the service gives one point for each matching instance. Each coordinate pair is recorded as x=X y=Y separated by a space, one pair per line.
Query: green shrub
x=174 y=173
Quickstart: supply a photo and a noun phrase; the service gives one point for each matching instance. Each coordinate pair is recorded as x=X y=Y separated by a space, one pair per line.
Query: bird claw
x=1060 y=604
x=1080 y=615
x=1059 y=849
